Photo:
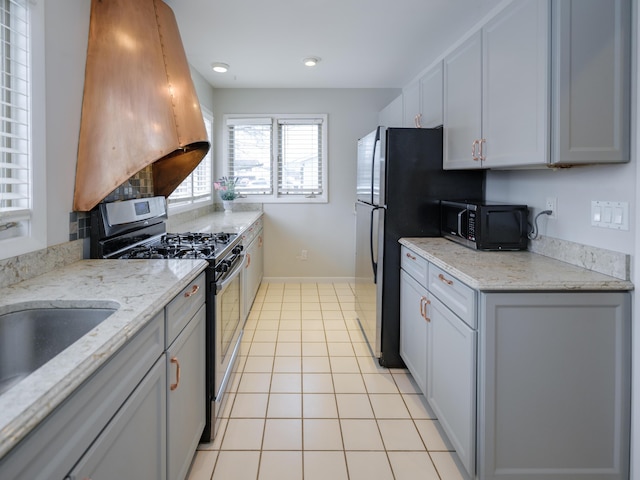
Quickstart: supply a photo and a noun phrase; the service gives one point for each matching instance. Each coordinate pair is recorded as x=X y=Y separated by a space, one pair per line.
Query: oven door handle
x=232 y=274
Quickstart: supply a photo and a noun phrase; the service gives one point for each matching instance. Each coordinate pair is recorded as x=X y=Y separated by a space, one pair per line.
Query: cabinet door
x=591 y=81
x=133 y=444
x=185 y=395
x=431 y=97
x=554 y=376
x=392 y=114
x=515 y=99
x=413 y=329
x=253 y=272
x=451 y=379
x=463 y=104
x=411 y=105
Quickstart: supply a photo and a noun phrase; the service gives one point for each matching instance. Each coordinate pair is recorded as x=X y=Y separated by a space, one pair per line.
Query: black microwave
x=485 y=225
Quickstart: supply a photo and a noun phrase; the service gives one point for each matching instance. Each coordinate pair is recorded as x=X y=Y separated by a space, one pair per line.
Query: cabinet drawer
x=184 y=306
x=414 y=265
x=460 y=298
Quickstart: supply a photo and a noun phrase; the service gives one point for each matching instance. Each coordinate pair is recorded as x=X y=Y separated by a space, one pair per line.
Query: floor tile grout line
x=333 y=394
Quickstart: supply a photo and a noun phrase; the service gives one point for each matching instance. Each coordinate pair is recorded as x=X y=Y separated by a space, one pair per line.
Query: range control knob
x=237 y=250
x=223 y=266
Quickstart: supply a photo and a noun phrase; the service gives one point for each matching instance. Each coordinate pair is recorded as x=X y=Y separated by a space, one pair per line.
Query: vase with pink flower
x=226 y=188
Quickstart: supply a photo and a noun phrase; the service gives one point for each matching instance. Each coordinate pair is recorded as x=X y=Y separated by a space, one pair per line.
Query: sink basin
x=30 y=338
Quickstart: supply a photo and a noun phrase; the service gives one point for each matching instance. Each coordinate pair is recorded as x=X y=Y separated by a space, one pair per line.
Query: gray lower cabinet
x=133 y=418
x=554 y=386
x=133 y=444
x=252 y=275
x=451 y=379
x=55 y=446
x=185 y=395
x=413 y=328
x=526 y=385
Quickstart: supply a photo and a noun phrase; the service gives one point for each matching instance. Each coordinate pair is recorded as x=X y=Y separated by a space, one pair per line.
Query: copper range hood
x=140 y=107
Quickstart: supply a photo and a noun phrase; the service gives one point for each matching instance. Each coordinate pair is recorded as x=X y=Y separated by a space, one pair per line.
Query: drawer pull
x=193 y=291
x=177 y=363
x=445 y=280
x=410 y=256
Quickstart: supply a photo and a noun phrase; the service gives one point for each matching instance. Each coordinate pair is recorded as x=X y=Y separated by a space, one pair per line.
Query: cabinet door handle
x=423 y=308
x=177 y=363
x=482 y=156
x=260 y=240
x=417 y=120
x=193 y=291
x=474 y=155
x=410 y=256
x=248 y=260
x=445 y=280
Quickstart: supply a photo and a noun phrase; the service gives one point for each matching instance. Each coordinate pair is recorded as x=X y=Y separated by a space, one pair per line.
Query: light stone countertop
x=510 y=271
x=141 y=288
x=215 y=222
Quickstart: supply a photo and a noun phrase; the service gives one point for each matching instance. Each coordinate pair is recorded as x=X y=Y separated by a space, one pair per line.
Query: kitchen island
x=524 y=359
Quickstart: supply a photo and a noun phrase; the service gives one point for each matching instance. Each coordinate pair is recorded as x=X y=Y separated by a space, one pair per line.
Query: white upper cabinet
x=544 y=83
x=591 y=98
x=411 y=105
x=463 y=105
x=515 y=86
x=391 y=115
x=431 y=97
x=422 y=100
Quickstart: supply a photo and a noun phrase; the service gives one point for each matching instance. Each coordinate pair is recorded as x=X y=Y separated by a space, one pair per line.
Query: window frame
x=194 y=202
x=34 y=233
x=275 y=196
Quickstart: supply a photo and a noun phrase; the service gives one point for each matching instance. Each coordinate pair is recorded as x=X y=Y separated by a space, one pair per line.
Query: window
x=278 y=158
x=197 y=187
x=22 y=177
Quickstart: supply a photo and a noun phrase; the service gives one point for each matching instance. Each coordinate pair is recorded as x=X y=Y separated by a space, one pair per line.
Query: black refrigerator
x=399 y=185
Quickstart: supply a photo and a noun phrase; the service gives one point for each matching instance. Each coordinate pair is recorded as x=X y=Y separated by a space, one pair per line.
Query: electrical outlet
x=552 y=204
x=304 y=255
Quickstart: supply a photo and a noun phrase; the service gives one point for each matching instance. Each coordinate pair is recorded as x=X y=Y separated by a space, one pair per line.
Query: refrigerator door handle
x=374 y=261
x=376 y=141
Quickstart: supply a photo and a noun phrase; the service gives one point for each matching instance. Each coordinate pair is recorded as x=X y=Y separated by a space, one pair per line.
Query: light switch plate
x=614 y=215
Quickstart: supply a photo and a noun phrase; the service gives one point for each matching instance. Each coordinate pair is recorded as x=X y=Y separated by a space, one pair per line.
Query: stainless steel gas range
x=136 y=229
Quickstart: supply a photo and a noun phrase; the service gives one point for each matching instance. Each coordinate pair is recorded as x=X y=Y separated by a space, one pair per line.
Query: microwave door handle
x=460 y=215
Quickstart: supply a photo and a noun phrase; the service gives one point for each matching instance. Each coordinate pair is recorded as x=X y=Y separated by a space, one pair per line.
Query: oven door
x=228 y=325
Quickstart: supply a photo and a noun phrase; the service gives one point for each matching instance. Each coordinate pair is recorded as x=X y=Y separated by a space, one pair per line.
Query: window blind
x=300 y=157
x=199 y=184
x=15 y=175
x=249 y=154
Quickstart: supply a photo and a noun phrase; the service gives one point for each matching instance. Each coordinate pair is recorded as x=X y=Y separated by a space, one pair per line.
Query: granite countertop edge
x=510 y=271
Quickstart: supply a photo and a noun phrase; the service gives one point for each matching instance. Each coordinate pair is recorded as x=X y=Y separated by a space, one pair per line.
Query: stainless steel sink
x=30 y=338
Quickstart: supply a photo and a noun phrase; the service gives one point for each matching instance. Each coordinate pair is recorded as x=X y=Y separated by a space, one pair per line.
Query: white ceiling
x=361 y=43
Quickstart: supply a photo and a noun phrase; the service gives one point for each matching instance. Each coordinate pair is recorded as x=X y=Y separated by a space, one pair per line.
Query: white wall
x=326 y=231
x=67 y=31
x=574 y=188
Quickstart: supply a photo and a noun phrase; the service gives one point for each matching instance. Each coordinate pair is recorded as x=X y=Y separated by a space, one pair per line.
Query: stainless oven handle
x=459 y=232
x=232 y=274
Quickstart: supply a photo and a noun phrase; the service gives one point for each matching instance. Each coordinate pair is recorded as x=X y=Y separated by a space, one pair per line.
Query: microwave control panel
x=471 y=226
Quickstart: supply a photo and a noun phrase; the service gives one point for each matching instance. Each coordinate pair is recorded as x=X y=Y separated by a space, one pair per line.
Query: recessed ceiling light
x=220 y=67
x=311 y=61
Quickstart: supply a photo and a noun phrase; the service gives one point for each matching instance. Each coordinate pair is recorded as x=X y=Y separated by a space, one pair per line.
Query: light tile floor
x=310 y=402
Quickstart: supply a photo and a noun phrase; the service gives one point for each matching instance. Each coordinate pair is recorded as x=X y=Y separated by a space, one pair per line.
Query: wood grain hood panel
x=139 y=106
